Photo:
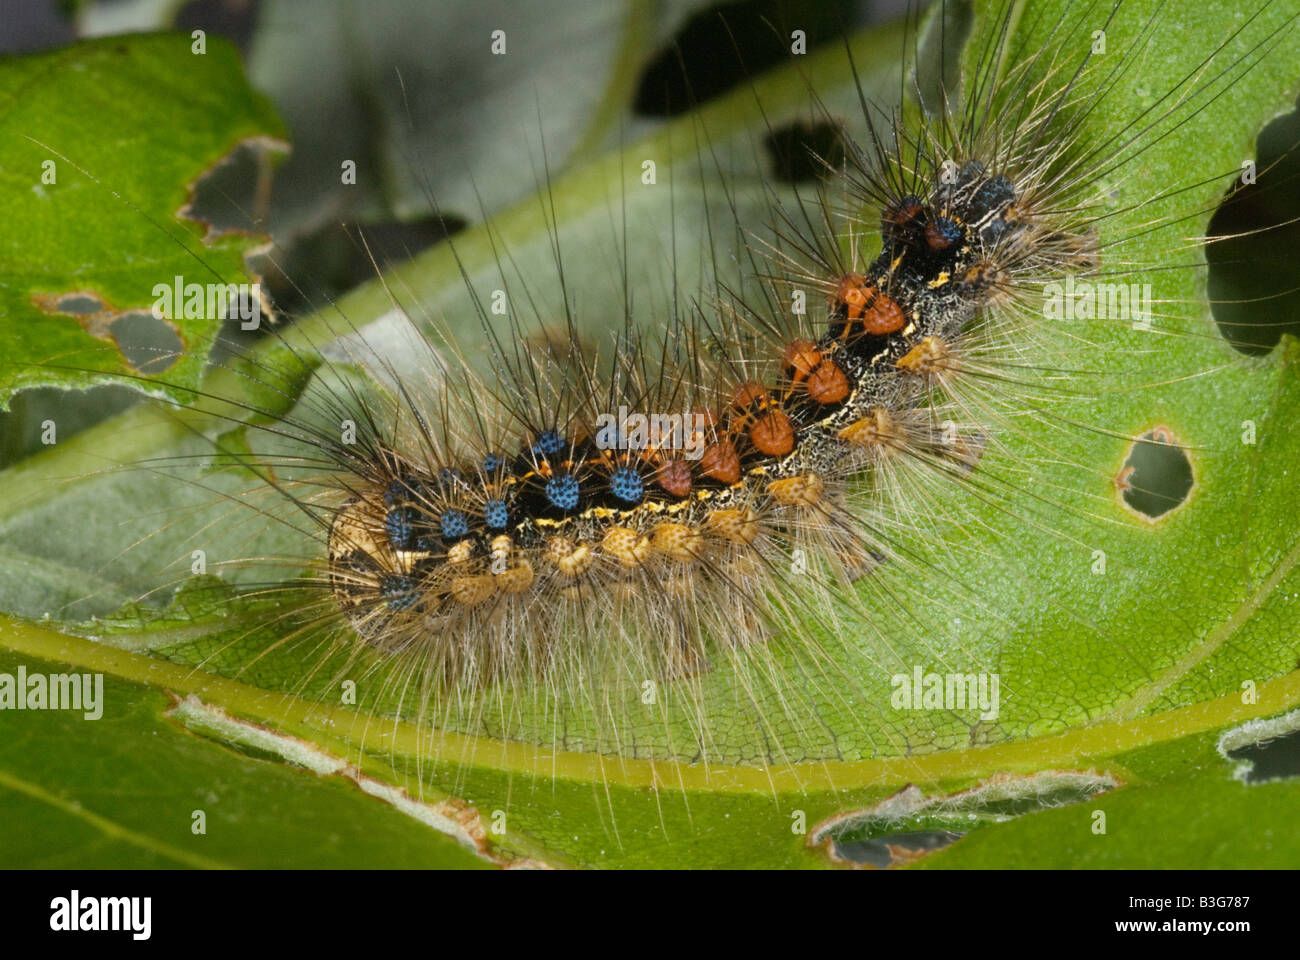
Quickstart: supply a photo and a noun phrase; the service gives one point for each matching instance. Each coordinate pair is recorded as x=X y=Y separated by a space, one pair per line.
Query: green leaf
x=101 y=146
x=123 y=790
x=1130 y=675
x=1181 y=809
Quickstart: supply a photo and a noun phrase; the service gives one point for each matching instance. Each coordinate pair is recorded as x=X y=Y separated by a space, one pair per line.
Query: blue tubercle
x=563 y=491
x=454 y=524
x=548 y=442
x=626 y=484
x=495 y=514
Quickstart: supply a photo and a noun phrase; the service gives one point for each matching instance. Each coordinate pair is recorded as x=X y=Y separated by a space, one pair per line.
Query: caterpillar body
x=455 y=556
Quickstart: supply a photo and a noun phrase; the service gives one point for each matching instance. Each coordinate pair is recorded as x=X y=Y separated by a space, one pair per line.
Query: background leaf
x=124 y=129
x=121 y=790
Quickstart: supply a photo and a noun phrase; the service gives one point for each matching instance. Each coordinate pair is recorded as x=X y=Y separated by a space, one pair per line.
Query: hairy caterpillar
x=504 y=552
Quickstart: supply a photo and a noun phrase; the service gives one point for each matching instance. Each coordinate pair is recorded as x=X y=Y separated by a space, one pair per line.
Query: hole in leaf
x=907 y=826
x=22 y=425
x=149 y=344
x=804 y=151
x=245 y=318
x=1254 y=276
x=79 y=304
x=233 y=194
x=893 y=849
x=1156 y=476
x=1264 y=750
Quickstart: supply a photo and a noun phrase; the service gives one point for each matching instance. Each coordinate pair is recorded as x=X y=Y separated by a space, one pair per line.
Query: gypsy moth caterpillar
x=760 y=612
